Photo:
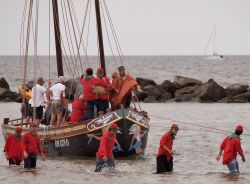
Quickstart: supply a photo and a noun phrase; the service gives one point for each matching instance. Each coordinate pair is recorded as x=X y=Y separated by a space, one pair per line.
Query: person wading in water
x=164 y=158
x=231 y=146
x=32 y=148
x=13 y=147
x=104 y=156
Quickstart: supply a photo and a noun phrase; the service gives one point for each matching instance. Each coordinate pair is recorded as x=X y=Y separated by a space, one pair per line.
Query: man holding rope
x=164 y=160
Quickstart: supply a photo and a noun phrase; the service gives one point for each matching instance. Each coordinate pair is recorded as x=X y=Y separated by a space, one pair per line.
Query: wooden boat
x=73 y=139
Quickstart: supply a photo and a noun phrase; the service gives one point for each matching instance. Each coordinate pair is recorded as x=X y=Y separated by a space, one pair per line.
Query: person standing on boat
x=37 y=100
x=55 y=96
x=13 y=147
x=104 y=156
x=31 y=144
x=123 y=85
x=91 y=94
x=231 y=146
x=164 y=160
x=104 y=97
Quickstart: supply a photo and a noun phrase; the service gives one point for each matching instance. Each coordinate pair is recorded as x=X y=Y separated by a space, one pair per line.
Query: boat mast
x=57 y=38
x=214 y=53
x=100 y=38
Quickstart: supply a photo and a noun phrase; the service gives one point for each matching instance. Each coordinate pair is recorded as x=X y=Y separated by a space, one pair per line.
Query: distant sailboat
x=215 y=55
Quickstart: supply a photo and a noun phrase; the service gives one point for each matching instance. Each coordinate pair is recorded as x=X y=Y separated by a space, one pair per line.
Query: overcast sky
x=150 y=27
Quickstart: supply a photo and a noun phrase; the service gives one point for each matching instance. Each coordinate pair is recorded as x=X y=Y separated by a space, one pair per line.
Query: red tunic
x=106 y=95
x=166 y=140
x=78 y=108
x=231 y=147
x=106 y=146
x=124 y=87
x=88 y=86
x=13 y=147
x=31 y=143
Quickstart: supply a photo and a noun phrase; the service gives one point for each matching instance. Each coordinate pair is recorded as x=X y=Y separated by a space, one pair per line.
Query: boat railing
x=14 y=122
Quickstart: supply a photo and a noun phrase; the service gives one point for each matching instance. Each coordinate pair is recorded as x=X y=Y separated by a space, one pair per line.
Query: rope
x=22 y=37
x=49 y=82
x=69 y=41
x=27 y=42
x=81 y=33
x=108 y=35
x=115 y=35
x=73 y=27
x=193 y=124
x=35 y=34
x=87 y=37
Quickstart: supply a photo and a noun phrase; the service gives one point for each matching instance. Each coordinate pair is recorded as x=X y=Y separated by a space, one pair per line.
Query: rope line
x=193 y=124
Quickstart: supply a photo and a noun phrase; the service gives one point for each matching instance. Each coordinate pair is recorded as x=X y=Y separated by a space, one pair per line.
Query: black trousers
x=14 y=161
x=30 y=162
x=163 y=165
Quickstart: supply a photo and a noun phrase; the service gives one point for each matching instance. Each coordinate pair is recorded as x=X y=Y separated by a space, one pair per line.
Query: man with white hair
x=37 y=101
x=55 y=96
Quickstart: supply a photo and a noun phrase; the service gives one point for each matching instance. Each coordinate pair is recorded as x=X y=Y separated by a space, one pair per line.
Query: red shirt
x=78 y=108
x=166 y=140
x=32 y=143
x=106 y=146
x=231 y=147
x=13 y=147
x=106 y=95
x=88 y=86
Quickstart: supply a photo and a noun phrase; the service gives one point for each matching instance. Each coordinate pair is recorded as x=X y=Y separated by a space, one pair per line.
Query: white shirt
x=38 y=92
x=56 y=91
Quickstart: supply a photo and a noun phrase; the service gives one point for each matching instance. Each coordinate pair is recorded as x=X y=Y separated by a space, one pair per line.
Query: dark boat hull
x=73 y=140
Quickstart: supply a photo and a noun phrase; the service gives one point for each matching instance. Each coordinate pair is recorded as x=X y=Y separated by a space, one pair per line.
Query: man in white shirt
x=37 y=101
x=55 y=96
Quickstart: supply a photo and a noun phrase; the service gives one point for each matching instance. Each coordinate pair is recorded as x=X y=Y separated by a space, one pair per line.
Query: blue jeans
x=100 y=164
x=233 y=166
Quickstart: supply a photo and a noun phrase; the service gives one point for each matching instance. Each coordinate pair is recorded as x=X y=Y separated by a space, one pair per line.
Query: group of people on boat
x=92 y=98
x=18 y=148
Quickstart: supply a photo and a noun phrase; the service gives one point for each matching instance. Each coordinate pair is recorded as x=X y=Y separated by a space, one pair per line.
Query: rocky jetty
x=6 y=95
x=184 y=89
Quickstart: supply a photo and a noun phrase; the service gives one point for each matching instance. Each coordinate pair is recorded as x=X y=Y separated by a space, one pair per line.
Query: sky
x=147 y=27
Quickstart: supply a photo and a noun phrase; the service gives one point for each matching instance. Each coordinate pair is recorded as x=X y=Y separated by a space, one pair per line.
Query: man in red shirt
x=231 y=146
x=165 y=154
x=13 y=147
x=31 y=144
x=90 y=83
x=104 y=156
x=104 y=97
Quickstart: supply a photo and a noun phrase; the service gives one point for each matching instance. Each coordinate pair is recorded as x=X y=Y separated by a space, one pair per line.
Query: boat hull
x=74 y=140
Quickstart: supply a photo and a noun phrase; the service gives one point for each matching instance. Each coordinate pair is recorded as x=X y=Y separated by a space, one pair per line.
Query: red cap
x=100 y=70
x=239 y=127
x=19 y=129
x=175 y=126
x=114 y=126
